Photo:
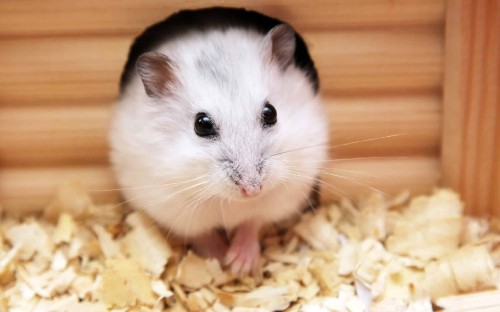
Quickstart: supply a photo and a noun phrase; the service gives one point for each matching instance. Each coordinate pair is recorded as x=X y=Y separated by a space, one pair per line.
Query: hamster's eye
x=204 y=125
x=269 y=115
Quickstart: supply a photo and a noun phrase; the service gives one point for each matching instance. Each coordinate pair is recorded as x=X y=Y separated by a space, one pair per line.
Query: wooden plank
x=354 y=178
x=380 y=61
x=453 y=109
x=47 y=70
x=24 y=190
x=69 y=135
x=77 y=134
x=56 y=17
x=484 y=301
x=471 y=123
x=351 y=61
x=394 y=125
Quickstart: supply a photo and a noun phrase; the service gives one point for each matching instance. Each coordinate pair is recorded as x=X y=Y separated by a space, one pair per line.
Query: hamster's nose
x=251 y=190
x=247 y=176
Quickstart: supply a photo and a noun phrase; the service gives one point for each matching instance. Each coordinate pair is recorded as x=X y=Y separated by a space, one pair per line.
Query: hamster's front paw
x=244 y=251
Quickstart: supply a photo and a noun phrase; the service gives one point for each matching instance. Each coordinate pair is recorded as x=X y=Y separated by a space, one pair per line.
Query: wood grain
x=380 y=61
x=380 y=64
x=77 y=134
x=395 y=125
x=471 y=129
x=24 y=190
x=46 y=70
x=63 y=17
x=359 y=177
x=41 y=70
x=56 y=136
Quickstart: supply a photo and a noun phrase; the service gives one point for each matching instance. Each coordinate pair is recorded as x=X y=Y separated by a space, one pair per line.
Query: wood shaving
x=193 y=272
x=429 y=228
x=483 y=301
x=65 y=229
x=146 y=245
x=126 y=284
x=399 y=254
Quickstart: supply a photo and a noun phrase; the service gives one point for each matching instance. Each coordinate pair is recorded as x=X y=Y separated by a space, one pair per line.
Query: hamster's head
x=228 y=113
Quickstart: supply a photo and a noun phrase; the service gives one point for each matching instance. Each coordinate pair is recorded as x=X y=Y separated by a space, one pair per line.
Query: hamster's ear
x=280 y=45
x=157 y=73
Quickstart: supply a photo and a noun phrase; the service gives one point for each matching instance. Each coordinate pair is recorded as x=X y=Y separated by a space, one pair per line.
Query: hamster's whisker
x=169 y=195
x=285 y=179
x=356 y=172
x=325 y=183
x=183 y=211
x=204 y=194
x=144 y=207
x=175 y=221
x=348 y=159
x=369 y=140
x=210 y=208
x=299 y=149
x=308 y=199
x=299 y=175
x=193 y=207
x=123 y=202
x=331 y=172
x=181 y=215
x=332 y=189
x=339 y=145
x=358 y=182
x=150 y=186
x=151 y=225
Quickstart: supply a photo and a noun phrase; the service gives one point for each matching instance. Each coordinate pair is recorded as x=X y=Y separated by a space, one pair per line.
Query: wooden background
x=470 y=153
x=381 y=65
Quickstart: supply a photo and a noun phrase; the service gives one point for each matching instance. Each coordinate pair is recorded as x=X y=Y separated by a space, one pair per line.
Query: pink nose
x=251 y=190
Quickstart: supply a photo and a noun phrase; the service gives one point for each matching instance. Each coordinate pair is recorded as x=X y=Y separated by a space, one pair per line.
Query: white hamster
x=219 y=125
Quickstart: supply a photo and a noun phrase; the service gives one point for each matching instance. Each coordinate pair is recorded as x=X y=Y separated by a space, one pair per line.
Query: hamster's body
x=194 y=142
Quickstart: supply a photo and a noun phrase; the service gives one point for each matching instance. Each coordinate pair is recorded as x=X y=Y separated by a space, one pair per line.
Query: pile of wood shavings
x=377 y=255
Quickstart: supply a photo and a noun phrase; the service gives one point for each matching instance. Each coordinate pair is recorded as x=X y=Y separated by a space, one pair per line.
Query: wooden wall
x=470 y=155
x=380 y=64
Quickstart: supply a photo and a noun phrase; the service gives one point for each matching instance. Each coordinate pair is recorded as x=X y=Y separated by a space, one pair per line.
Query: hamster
x=219 y=125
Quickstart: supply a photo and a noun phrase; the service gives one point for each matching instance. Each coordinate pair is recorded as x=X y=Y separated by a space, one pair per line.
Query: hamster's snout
x=251 y=190
x=246 y=176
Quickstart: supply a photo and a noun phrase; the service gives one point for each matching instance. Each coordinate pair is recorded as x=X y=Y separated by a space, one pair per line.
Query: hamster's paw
x=211 y=245
x=244 y=251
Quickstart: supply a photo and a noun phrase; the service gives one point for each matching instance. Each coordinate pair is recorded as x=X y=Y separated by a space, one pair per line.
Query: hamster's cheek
x=202 y=159
x=276 y=169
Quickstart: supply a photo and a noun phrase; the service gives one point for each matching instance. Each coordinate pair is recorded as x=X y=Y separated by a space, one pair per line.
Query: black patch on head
x=185 y=21
x=206 y=65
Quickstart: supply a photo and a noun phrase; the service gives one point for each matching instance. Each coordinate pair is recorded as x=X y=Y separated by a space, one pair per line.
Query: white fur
x=177 y=177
